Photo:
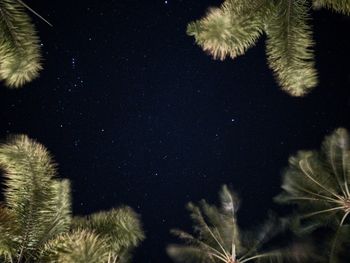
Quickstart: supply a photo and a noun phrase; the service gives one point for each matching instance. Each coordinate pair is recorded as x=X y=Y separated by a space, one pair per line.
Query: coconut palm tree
x=36 y=219
x=229 y=31
x=218 y=236
x=20 y=56
x=318 y=181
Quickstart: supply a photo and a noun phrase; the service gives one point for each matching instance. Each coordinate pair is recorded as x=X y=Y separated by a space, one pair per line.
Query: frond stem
x=324 y=211
x=255 y=257
x=313 y=180
x=344 y=217
x=335 y=170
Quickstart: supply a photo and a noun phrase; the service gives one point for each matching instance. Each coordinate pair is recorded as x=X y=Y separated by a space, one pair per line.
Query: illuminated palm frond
x=7 y=230
x=36 y=202
x=318 y=182
x=20 y=58
x=80 y=246
x=121 y=228
x=340 y=6
x=289 y=47
x=340 y=245
x=218 y=238
x=230 y=30
x=36 y=222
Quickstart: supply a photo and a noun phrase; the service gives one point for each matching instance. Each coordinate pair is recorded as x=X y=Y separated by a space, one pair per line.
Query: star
x=73 y=63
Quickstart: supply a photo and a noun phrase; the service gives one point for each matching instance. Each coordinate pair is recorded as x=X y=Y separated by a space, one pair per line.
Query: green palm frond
x=288 y=47
x=340 y=6
x=61 y=220
x=31 y=195
x=121 y=227
x=340 y=245
x=20 y=58
x=80 y=246
x=318 y=182
x=36 y=220
x=217 y=236
x=230 y=30
x=7 y=230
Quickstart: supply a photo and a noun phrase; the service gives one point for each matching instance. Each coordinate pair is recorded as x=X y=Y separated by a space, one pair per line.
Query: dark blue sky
x=136 y=114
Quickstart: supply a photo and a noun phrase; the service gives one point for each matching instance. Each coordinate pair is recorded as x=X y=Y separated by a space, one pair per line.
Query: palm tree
x=35 y=218
x=37 y=204
x=233 y=28
x=219 y=238
x=20 y=57
x=318 y=181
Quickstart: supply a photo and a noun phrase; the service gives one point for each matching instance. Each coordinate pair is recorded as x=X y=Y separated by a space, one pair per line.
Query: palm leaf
x=236 y=26
x=189 y=254
x=20 y=58
x=318 y=182
x=217 y=235
x=80 y=246
x=30 y=193
x=7 y=229
x=340 y=6
x=62 y=217
x=231 y=29
x=289 y=47
x=121 y=228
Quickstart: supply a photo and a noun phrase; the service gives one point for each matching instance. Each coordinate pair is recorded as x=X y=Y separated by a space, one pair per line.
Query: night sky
x=135 y=113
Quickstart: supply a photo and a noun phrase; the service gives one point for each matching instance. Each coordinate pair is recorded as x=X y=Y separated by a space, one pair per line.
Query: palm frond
x=318 y=182
x=289 y=47
x=7 y=229
x=30 y=193
x=20 y=58
x=340 y=245
x=80 y=246
x=340 y=6
x=61 y=220
x=190 y=254
x=121 y=227
x=231 y=29
x=217 y=236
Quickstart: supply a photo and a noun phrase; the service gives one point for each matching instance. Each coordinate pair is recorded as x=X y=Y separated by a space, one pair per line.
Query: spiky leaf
x=20 y=59
x=80 y=246
x=340 y=6
x=318 y=182
x=217 y=235
x=231 y=29
x=30 y=194
x=289 y=47
x=120 y=227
